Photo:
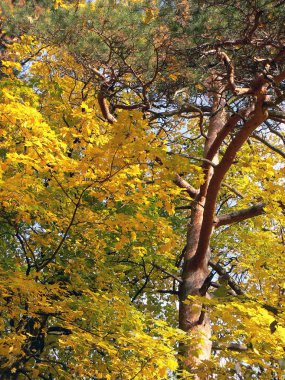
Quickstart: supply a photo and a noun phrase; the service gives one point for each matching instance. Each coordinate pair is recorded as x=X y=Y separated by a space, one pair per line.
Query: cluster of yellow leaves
x=256 y=253
x=108 y=336
x=72 y=189
x=88 y=204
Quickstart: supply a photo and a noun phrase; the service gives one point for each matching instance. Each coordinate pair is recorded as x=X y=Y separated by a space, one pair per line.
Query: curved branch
x=230 y=70
x=64 y=237
x=102 y=101
x=235 y=191
x=140 y=290
x=105 y=108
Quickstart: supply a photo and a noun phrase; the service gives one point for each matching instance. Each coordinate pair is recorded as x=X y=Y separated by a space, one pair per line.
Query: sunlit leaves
x=92 y=223
x=74 y=189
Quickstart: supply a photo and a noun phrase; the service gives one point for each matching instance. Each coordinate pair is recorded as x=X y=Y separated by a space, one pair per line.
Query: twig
x=47 y=261
x=233 y=190
x=168 y=273
x=139 y=291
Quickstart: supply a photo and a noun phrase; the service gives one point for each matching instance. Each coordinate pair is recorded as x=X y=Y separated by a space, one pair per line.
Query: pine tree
x=181 y=106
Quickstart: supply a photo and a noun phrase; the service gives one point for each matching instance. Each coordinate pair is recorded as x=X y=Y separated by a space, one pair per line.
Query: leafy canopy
x=89 y=211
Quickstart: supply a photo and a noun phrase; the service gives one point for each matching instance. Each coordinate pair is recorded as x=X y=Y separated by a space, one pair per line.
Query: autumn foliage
x=142 y=172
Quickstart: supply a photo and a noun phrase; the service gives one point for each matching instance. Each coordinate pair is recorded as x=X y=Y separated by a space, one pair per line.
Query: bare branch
x=168 y=273
x=240 y=215
x=231 y=75
x=25 y=253
x=140 y=290
x=276 y=115
x=280 y=77
x=277 y=133
x=179 y=181
x=231 y=346
x=129 y=106
x=222 y=272
x=184 y=109
x=97 y=72
x=102 y=101
x=166 y=291
x=105 y=108
x=187 y=207
x=233 y=190
x=272 y=147
x=255 y=25
x=205 y=160
x=24 y=241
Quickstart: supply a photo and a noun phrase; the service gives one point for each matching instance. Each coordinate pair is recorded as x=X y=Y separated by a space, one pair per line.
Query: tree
x=127 y=126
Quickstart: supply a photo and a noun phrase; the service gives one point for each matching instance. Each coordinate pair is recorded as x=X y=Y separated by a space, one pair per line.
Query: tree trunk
x=193 y=318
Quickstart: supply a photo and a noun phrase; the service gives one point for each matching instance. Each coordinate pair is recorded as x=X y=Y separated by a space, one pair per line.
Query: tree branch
x=139 y=291
x=227 y=128
x=105 y=107
x=277 y=133
x=222 y=272
x=258 y=117
x=179 y=181
x=240 y=215
x=231 y=75
x=233 y=190
x=168 y=273
x=265 y=142
x=205 y=160
x=231 y=346
x=166 y=291
x=280 y=77
x=102 y=101
x=64 y=237
x=184 y=109
x=276 y=116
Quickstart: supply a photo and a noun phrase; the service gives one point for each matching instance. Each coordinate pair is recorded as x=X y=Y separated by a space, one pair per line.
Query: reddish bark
x=192 y=317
